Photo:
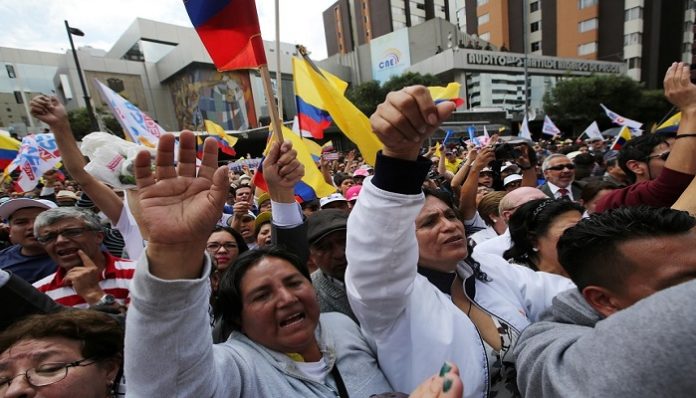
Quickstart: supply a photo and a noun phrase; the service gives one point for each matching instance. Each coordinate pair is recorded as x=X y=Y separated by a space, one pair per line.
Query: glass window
x=632 y=38
x=634 y=13
x=534 y=6
x=534 y=27
x=586 y=3
x=536 y=46
x=587 y=48
x=483 y=19
x=634 y=63
x=587 y=25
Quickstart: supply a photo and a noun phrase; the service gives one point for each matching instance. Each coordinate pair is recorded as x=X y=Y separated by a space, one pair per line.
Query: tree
x=574 y=102
x=79 y=123
x=409 y=79
x=366 y=96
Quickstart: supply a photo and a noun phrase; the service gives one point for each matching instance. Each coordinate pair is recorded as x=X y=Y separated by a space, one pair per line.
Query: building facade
x=648 y=35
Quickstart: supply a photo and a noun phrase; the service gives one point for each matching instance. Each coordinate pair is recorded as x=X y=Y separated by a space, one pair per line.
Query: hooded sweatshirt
x=645 y=350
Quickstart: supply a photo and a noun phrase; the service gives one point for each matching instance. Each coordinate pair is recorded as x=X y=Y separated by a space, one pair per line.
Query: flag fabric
x=9 y=147
x=437 y=152
x=592 y=132
x=524 y=129
x=325 y=95
x=486 y=138
x=312 y=185
x=225 y=142
x=37 y=154
x=620 y=120
x=229 y=31
x=549 y=128
x=137 y=125
x=448 y=134
x=449 y=93
x=312 y=118
x=621 y=139
x=672 y=123
x=472 y=136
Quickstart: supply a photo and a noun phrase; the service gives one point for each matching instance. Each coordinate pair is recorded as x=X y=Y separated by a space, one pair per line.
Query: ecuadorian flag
x=8 y=150
x=621 y=139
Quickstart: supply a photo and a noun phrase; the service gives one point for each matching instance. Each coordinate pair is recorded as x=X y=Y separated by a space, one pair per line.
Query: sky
x=39 y=24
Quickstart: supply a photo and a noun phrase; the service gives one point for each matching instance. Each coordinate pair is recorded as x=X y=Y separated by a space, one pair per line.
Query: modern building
x=648 y=35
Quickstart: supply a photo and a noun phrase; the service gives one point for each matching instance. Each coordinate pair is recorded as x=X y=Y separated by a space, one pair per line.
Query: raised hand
x=177 y=208
x=48 y=109
x=678 y=87
x=407 y=118
x=85 y=279
x=282 y=171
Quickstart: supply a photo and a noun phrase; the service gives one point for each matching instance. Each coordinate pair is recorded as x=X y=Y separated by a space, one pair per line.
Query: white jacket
x=416 y=327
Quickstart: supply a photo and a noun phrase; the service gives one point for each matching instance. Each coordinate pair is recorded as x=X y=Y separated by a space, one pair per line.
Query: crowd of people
x=517 y=269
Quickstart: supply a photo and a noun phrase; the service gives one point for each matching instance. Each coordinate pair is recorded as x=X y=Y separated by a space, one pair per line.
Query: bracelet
x=684 y=135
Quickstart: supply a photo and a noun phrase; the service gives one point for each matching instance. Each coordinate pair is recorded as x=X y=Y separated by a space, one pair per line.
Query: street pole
x=88 y=103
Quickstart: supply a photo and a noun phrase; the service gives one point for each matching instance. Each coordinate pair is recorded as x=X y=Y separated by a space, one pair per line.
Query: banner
x=549 y=128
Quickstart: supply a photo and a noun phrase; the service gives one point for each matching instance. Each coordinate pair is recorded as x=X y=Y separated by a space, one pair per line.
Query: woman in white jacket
x=403 y=249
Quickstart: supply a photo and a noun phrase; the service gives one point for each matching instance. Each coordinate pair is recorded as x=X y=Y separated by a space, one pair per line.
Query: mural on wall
x=222 y=97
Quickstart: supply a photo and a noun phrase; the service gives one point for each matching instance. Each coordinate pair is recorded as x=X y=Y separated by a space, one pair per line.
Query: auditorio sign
x=390 y=55
x=507 y=60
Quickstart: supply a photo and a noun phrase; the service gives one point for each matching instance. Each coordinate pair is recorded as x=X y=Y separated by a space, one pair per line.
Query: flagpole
x=270 y=99
x=279 y=73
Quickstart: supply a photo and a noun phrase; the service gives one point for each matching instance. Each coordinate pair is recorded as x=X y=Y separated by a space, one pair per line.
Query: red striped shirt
x=114 y=280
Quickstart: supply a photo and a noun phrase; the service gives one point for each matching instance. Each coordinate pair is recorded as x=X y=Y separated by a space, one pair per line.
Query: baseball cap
x=361 y=173
x=324 y=222
x=512 y=178
x=65 y=194
x=334 y=197
x=261 y=219
x=353 y=192
x=11 y=206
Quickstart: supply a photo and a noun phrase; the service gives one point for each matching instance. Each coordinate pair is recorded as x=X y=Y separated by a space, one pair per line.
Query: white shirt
x=557 y=195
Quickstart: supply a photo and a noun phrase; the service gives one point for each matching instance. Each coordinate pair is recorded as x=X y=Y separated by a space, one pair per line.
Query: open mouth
x=454 y=239
x=293 y=319
x=67 y=252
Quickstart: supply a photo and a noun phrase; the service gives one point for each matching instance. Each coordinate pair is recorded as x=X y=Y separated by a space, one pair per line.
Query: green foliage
x=112 y=125
x=368 y=95
x=79 y=123
x=574 y=103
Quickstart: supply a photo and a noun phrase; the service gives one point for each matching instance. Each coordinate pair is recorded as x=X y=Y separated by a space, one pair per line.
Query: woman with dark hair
x=63 y=355
x=534 y=231
x=224 y=245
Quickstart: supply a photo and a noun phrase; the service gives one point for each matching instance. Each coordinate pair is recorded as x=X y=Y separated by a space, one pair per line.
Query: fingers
x=446 y=384
x=220 y=186
x=187 y=154
x=273 y=154
x=142 y=169
x=164 y=161
x=86 y=261
x=209 y=163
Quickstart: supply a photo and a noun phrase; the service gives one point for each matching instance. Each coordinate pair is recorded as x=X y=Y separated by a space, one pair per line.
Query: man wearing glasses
x=87 y=274
x=559 y=172
x=660 y=169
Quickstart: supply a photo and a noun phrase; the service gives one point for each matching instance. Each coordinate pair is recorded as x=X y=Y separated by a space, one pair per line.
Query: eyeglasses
x=560 y=167
x=69 y=233
x=45 y=374
x=214 y=246
x=663 y=156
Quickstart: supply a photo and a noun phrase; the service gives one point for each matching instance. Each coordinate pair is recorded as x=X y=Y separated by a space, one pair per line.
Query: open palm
x=175 y=206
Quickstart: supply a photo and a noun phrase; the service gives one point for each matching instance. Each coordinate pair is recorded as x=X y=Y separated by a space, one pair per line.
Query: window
x=534 y=27
x=587 y=25
x=481 y=2
x=632 y=38
x=586 y=3
x=10 y=71
x=634 y=13
x=483 y=19
x=534 y=6
x=18 y=98
x=587 y=48
x=536 y=46
x=634 y=63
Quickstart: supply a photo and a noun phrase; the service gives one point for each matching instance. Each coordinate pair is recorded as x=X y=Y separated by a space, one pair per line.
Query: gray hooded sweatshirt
x=646 y=350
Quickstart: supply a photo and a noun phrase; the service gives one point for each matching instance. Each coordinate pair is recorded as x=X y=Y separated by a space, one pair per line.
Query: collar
x=441 y=280
x=555 y=189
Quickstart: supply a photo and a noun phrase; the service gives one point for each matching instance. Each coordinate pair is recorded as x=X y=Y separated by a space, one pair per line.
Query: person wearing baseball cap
x=26 y=258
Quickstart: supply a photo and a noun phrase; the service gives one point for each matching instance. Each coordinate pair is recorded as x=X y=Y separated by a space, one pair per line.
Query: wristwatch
x=106 y=299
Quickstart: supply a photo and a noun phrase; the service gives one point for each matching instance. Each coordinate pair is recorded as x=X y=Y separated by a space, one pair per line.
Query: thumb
x=445 y=110
x=273 y=153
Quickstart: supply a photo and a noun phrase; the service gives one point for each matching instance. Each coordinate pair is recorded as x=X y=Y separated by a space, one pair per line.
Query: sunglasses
x=663 y=156
x=560 y=167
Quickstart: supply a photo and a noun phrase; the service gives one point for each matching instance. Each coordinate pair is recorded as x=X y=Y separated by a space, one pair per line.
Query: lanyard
x=342 y=392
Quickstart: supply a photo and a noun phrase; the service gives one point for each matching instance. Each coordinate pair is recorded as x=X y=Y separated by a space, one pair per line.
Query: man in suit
x=559 y=172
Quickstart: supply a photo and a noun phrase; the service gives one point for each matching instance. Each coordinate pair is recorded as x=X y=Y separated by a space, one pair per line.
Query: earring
x=111 y=390
x=535 y=249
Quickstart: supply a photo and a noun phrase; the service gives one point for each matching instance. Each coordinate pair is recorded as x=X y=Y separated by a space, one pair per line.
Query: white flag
x=137 y=125
x=592 y=132
x=524 y=130
x=37 y=154
x=549 y=128
x=620 y=120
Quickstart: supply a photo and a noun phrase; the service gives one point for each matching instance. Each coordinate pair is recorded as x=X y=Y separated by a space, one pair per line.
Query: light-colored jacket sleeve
x=169 y=346
x=382 y=255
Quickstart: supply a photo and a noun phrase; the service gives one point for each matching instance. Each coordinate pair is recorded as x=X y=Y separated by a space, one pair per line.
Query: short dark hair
x=638 y=149
x=592 y=188
x=589 y=253
x=241 y=244
x=530 y=221
x=228 y=306
x=100 y=335
x=340 y=177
